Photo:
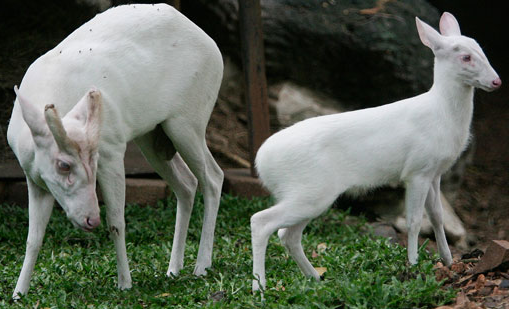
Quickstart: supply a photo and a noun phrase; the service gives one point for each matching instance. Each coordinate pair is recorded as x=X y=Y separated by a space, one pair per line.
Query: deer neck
x=454 y=97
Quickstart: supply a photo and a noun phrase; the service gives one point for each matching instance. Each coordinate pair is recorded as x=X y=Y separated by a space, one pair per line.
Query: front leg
x=111 y=178
x=40 y=205
x=416 y=191
x=434 y=210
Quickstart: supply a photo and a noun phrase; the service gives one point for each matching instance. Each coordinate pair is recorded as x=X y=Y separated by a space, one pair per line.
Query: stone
x=387 y=204
x=453 y=226
x=331 y=47
x=385 y=230
x=295 y=103
x=218 y=296
x=496 y=254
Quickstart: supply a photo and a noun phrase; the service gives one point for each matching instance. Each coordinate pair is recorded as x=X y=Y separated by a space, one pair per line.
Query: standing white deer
x=307 y=165
x=155 y=78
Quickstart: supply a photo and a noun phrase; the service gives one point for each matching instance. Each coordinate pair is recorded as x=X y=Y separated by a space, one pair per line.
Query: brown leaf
x=163 y=295
x=463 y=279
x=461 y=299
x=481 y=280
x=321 y=247
x=314 y=255
x=321 y=270
x=459 y=267
x=442 y=272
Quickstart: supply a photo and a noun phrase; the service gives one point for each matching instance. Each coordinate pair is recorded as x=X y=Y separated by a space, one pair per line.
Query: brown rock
x=496 y=254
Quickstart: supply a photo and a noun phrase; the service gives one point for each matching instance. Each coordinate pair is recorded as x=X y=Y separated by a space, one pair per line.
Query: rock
x=453 y=226
x=295 y=103
x=218 y=296
x=496 y=254
x=385 y=230
x=361 y=52
x=388 y=204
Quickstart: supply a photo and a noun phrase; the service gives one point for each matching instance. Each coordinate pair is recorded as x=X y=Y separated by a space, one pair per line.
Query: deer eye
x=63 y=166
x=466 y=58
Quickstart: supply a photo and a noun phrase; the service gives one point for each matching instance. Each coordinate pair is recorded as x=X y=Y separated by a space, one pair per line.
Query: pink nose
x=497 y=82
x=93 y=222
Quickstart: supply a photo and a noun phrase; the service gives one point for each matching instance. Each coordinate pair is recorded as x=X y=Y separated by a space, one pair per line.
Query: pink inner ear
x=449 y=25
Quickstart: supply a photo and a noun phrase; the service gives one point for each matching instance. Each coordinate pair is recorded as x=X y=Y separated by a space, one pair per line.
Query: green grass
x=78 y=270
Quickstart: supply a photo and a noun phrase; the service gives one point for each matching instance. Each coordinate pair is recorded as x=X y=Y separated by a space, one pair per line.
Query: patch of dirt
x=476 y=291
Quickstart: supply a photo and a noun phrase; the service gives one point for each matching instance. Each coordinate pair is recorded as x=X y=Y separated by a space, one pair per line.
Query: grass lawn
x=76 y=269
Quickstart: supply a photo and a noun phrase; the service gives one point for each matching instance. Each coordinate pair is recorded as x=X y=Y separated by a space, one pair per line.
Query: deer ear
x=88 y=112
x=94 y=116
x=33 y=117
x=429 y=36
x=449 y=25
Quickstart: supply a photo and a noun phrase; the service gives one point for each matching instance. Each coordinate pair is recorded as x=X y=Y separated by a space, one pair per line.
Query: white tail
x=414 y=141
x=157 y=76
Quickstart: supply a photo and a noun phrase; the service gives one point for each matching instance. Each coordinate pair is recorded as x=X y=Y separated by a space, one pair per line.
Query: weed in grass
x=78 y=270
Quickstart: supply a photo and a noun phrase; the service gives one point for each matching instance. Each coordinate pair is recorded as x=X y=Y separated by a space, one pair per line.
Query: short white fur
x=414 y=141
x=156 y=77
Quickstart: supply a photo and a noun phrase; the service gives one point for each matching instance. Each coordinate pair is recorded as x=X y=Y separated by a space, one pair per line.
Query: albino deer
x=414 y=141
x=156 y=77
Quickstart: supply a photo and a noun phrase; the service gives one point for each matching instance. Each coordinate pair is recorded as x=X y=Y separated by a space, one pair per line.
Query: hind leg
x=180 y=180
x=190 y=142
x=291 y=238
x=292 y=213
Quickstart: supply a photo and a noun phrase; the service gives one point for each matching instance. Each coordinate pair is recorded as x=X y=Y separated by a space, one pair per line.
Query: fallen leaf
x=459 y=267
x=314 y=255
x=442 y=272
x=280 y=286
x=163 y=295
x=321 y=270
x=481 y=280
x=485 y=291
x=468 y=277
x=321 y=247
x=461 y=299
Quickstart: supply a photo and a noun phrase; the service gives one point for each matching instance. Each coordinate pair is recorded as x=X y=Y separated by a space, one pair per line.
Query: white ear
x=449 y=25
x=429 y=36
x=94 y=115
x=88 y=112
x=32 y=116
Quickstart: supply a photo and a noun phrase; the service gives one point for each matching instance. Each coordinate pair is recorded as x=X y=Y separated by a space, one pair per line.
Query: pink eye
x=466 y=58
x=63 y=166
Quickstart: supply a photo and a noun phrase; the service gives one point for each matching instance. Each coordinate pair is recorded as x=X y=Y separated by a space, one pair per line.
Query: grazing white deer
x=307 y=165
x=156 y=77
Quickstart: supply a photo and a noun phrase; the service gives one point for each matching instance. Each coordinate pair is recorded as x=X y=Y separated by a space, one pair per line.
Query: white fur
x=414 y=141
x=156 y=77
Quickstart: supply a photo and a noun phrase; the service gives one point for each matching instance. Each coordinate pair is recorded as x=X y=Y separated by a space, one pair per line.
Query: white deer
x=414 y=141
x=156 y=77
